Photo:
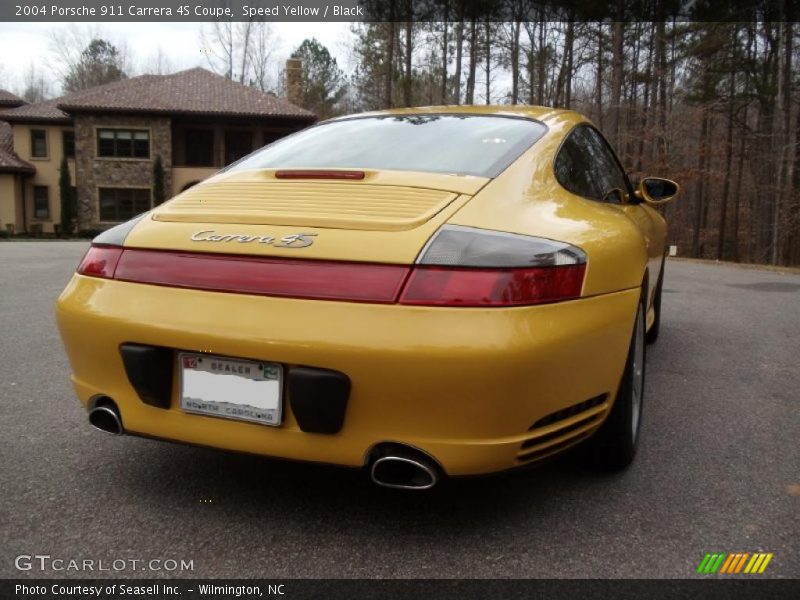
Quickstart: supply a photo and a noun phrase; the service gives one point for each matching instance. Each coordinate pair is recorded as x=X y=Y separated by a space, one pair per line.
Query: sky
x=25 y=43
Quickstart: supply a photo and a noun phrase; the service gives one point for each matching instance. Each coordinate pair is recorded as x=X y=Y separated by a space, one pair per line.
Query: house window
x=123 y=143
x=68 y=141
x=237 y=145
x=41 y=202
x=121 y=204
x=38 y=143
x=199 y=147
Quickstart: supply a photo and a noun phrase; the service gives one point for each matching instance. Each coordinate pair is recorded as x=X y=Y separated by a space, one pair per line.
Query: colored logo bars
x=739 y=562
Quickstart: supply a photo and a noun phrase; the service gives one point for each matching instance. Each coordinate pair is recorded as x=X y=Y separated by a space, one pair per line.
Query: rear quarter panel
x=527 y=199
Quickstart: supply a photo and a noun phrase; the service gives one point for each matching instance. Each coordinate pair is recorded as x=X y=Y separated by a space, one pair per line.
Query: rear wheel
x=613 y=447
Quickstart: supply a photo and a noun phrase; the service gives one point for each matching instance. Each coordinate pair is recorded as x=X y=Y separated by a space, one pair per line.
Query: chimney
x=294 y=81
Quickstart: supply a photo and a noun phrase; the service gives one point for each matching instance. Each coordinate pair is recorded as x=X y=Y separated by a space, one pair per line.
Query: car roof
x=540 y=113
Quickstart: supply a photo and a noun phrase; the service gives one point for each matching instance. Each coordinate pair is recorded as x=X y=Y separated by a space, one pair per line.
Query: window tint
x=572 y=167
x=123 y=143
x=38 y=143
x=605 y=168
x=458 y=144
x=121 y=204
x=586 y=167
x=41 y=202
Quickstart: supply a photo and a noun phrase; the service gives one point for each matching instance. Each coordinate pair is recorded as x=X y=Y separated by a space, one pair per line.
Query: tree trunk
x=407 y=81
x=473 y=60
x=459 y=59
x=488 y=31
x=723 y=209
x=699 y=199
x=738 y=192
x=444 y=51
x=387 y=90
x=570 y=44
x=617 y=42
x=541 y=65
x=598 y=90
x=515 y=34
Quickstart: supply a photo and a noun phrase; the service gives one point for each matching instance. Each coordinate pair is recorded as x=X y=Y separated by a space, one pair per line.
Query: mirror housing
x=657 y=190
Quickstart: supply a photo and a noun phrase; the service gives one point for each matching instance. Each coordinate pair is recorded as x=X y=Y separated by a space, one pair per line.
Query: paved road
x=719 y=468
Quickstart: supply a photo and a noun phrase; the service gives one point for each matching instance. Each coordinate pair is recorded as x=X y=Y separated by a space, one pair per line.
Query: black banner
x=438 y=589
x=395 y=10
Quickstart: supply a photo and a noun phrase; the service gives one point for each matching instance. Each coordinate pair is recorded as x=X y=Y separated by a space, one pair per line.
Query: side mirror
x=655 y=190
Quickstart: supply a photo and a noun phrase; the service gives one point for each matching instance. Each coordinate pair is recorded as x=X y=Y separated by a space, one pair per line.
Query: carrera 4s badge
x=294 y=240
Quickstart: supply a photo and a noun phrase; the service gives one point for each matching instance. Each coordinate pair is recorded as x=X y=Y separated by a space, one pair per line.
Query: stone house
x=195 y=121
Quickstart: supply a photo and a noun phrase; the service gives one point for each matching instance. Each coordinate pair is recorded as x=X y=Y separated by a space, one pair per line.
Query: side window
x=586 y=167
x=606 y=169
x=573 y=164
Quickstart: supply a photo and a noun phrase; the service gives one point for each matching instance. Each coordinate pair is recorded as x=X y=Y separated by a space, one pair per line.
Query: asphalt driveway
x=718 y=470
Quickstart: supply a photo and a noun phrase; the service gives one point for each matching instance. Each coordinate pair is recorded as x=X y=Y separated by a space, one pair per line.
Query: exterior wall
x=8 y=200
x=94 y=172
x=182 y=176
x=47 y=170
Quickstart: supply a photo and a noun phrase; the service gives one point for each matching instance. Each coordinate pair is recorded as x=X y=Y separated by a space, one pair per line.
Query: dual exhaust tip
x=105 y=417
x=393 y=466
x=403 y=468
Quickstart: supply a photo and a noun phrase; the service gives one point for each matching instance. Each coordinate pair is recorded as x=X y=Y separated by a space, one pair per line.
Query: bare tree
x=228 y=46
x=158 y=63
x=68 y=43
x=264 y=42
x=36 y=86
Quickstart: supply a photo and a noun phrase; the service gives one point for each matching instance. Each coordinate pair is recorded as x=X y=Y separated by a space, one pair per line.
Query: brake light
x=442 y=286
x=318 y=174
x=100 y=261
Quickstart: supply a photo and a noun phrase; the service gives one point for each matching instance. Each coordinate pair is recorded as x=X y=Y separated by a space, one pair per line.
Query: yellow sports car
x=422 y=292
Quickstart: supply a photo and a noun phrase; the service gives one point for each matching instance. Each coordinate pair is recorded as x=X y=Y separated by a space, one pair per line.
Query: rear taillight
x=461 y=266
x=100 y=261
x=466 y=266
x=322 y=280
x=442 y=286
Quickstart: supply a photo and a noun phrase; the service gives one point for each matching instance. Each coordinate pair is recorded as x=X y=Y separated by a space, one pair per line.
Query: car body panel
x=465 y=385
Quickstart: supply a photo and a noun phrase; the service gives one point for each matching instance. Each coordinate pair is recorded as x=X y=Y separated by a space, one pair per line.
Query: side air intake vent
x=563 y=428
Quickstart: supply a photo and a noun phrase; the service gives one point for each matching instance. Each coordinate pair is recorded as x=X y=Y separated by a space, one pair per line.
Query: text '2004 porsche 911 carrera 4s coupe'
x=422 y=292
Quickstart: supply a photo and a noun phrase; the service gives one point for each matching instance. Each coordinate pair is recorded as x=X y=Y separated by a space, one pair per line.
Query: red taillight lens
x=264 y=276
x=100 y=261
x=442 y=286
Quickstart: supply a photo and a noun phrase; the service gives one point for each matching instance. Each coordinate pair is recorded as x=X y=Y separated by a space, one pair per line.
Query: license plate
x=244 y=390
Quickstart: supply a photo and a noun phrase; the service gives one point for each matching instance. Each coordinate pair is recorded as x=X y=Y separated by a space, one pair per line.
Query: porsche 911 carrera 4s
x=424 y=292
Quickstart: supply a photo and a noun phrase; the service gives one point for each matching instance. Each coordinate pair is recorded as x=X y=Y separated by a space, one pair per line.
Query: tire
x=652 y=333
x=614 y=445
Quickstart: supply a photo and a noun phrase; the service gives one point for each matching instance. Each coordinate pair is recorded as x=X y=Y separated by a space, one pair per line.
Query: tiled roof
x=195 y=91
x=9 y=161
x=7 y=99
x=36 y=112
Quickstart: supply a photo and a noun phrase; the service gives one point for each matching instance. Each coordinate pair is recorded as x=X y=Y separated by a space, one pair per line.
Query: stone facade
x=93 y=172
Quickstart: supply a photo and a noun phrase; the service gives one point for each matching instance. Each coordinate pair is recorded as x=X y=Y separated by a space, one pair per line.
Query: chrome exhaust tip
x=106 y=418
x=404 y=473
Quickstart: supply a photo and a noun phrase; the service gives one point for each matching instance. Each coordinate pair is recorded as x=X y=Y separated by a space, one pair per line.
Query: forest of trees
x=713 y=105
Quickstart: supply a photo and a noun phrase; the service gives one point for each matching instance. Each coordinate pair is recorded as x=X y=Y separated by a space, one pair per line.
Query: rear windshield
x=457 y=144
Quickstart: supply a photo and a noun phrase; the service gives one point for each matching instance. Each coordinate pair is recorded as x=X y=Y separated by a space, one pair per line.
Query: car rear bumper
x=464 y=385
